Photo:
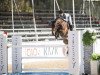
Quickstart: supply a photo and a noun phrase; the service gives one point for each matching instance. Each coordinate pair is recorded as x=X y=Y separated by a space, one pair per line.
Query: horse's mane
x=59 y=18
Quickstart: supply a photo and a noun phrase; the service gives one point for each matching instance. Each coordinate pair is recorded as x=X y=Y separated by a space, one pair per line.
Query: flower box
x=95 y=64
x=95 y=67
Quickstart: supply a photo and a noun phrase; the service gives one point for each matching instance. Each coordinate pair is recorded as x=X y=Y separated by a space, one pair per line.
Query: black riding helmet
x=62 y=16
x=60 y=11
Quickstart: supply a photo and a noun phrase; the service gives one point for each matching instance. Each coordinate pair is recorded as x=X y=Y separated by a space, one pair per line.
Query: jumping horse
x=60 y=28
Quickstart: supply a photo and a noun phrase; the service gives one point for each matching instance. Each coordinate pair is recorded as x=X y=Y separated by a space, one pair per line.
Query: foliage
x=5 y=5
x=95 y=56
x=19 y=5
x=23 y=5
x=89 y=38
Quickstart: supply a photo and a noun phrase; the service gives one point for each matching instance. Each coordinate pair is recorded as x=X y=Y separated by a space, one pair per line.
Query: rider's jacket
x=66 y=17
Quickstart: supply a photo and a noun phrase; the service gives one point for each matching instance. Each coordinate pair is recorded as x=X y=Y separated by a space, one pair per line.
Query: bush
x=89 y=37
x=95 y=56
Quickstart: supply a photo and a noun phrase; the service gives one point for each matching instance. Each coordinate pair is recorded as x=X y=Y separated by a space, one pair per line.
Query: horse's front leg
x=52 y=31
x=56 y=34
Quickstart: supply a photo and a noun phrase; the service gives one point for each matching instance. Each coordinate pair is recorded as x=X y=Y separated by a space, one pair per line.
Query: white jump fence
x=75 y=55
x=3 y=54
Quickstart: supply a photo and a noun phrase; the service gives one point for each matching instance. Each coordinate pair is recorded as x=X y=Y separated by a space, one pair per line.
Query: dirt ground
x=52 y=63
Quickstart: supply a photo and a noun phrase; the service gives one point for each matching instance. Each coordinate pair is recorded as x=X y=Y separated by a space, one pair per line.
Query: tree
x=5 y=5
x=19 y=5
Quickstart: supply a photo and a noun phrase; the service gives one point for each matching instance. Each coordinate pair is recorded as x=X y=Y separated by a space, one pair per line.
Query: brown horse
x=60 y=28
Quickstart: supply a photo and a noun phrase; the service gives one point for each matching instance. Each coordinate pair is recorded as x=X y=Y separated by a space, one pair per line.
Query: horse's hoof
x=65 y=41
x=52 y=33
x=56 y=37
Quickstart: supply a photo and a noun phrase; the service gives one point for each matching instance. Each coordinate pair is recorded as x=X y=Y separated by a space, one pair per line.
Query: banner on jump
x=44 y=51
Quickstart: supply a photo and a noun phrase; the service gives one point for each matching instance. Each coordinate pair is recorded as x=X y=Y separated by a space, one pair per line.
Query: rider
x=66 y=17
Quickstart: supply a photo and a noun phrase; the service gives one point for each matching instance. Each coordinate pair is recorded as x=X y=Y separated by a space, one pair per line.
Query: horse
x=60 y=28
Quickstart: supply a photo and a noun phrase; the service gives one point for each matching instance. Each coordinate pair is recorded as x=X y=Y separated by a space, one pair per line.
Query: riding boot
x=71 y=27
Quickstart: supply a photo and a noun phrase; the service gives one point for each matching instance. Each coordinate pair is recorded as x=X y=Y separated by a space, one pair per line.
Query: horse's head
x=61 y=27
x=58 y=24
